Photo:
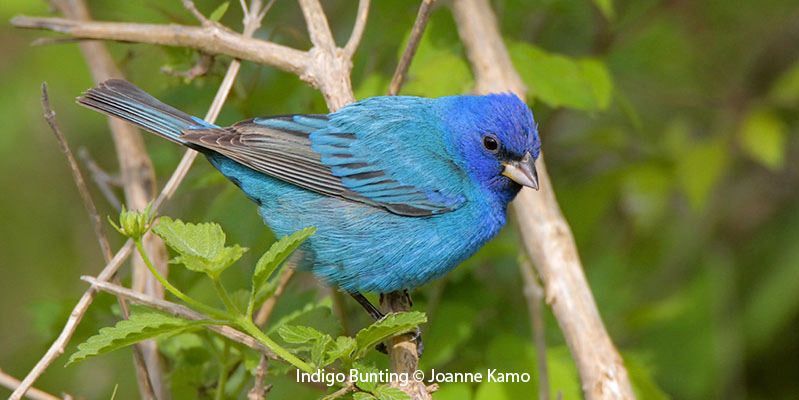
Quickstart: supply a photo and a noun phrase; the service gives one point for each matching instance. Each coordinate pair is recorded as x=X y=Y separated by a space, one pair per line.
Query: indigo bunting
x=400 y=189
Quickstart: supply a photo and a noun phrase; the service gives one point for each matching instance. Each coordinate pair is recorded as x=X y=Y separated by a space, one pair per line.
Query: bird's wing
x=315 y=153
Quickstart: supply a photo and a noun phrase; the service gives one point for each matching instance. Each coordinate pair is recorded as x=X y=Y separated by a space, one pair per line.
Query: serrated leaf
x=139 y=327
x=385 y=392
x=296 y=334
x=362 y=396
x=201 y=247
x=342 y=348
x=220 y=11
x=391 y=325
x=296 y=314
x=276 y=255
x=364 y=370
x=319 y=350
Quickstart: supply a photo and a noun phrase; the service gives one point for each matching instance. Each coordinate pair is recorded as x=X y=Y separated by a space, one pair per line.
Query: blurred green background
x=670 y=133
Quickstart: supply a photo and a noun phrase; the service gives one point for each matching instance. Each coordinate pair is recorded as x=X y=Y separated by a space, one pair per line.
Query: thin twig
x=349 y=387
x=413 y=43
x=200 y=68
x=105 y=247
x=269 y=304
x=91 y=208
x=192 y=8
x=102 y=179
x=178 y=311
x=259 y=389
x=357 y=30
x=316 y=21
x=12 y=383
x=534 y=294
x=546 y=235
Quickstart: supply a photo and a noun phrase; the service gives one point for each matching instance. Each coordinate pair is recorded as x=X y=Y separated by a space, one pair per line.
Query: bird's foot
x=416 y=337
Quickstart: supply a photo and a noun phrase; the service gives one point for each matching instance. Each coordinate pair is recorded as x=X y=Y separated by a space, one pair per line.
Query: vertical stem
x=222 y=381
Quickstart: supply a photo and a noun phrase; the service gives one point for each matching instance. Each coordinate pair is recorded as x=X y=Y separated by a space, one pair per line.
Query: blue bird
x=400 y=189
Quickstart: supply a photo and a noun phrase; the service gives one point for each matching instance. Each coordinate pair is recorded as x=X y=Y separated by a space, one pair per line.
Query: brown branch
x=178 y=311
x=77 y=176
x=269 y=305
x=12 y=383
x=259 y=389
x=546 y=234
x=402 y=352
x=143 y=375
x=357 y=30
x=316 y=21
x=534 y=294
x=413 y=43
x=138 y=182
x=102 y=179
x=212 y=40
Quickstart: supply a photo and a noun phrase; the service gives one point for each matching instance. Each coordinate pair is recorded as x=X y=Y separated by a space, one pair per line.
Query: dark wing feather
x=281 y=147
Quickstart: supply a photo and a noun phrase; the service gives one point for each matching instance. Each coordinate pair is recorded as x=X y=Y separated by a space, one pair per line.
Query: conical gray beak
x=522 y=171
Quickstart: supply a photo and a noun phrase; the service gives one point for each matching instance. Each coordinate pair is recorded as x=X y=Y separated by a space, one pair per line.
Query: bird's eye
x=490 y=143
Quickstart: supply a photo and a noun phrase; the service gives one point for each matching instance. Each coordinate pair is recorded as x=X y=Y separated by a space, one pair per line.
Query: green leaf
x=296 y=314
x=201 y=247
x=763 y=137
x=562 y=81
x=699 y=168
x=785 y=90
x=296 y=334
x=438 y=68
x=220 y=11
x=391 y=325
x=385 y=392
x=364 y=370
x=362 y=396
x=275 y=256
x=606 y=7
x=342 y=348
x=598 y=77
x=139 y=327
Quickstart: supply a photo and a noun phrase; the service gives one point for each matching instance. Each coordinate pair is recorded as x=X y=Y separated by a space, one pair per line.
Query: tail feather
x=122 y=99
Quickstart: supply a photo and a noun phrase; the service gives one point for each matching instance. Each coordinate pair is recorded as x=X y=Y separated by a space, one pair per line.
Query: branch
x=534 y=294
x=316 y=21
x=413 y=43
x=138 y=182
x=546 y=234
x=357 y=30
x=12 y=383
x=212 y=40
x=143 y=375
x=178 y=311
x=269 y=305
x=83 y=189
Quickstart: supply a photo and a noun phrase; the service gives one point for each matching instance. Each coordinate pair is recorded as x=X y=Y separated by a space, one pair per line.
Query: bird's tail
x=124 y=100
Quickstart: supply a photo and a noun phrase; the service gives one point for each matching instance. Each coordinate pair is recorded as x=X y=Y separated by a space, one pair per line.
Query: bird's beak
x=522 y=171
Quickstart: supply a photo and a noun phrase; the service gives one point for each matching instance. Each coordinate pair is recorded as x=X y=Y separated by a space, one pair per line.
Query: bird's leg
x=367 y=305
x=408 y=303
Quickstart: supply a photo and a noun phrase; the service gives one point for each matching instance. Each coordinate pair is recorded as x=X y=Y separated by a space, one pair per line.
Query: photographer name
x=332 y=378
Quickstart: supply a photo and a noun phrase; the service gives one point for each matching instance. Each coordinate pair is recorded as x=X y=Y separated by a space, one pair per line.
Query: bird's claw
x=416 y=337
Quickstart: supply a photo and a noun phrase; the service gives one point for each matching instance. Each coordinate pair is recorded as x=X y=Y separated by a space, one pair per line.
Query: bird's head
x=495 y=140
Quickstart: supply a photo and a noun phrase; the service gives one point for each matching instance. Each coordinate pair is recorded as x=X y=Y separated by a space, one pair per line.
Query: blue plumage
x=401 y=189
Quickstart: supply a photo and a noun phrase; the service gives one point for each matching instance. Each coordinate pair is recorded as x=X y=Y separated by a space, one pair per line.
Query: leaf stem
x=248 y=326
x=223 y=294
x=175 y=291
x=222 y=382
